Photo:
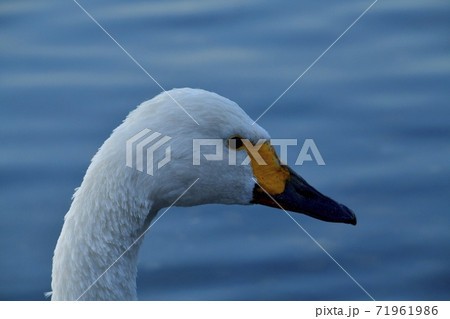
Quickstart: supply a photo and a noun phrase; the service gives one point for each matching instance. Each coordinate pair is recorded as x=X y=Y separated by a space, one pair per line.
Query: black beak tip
x=350 y=217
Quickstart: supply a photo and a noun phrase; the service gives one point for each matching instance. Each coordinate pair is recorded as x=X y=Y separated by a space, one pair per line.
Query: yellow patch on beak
x=270 y=174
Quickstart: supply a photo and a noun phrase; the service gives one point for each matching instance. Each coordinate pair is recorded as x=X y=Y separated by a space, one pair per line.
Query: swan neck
x=96 y=254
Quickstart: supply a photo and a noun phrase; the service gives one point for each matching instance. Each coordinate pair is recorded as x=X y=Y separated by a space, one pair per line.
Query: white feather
x=115 y=203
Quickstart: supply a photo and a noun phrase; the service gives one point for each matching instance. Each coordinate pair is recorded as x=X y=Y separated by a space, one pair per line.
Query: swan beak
x=300 y=197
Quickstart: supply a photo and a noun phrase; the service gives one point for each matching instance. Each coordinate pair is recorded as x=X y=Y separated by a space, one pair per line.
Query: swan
x=115 y=203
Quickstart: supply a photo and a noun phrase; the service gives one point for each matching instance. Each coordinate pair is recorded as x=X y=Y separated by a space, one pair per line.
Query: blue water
x=376 y=105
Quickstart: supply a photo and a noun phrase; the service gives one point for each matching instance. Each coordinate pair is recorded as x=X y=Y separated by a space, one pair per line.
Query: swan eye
x=235 y=143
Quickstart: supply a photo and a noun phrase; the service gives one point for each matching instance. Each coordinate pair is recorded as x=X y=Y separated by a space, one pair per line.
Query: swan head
x=221 y=150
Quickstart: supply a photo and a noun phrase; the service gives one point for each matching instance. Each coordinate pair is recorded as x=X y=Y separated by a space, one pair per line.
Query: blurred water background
x=376 y=105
